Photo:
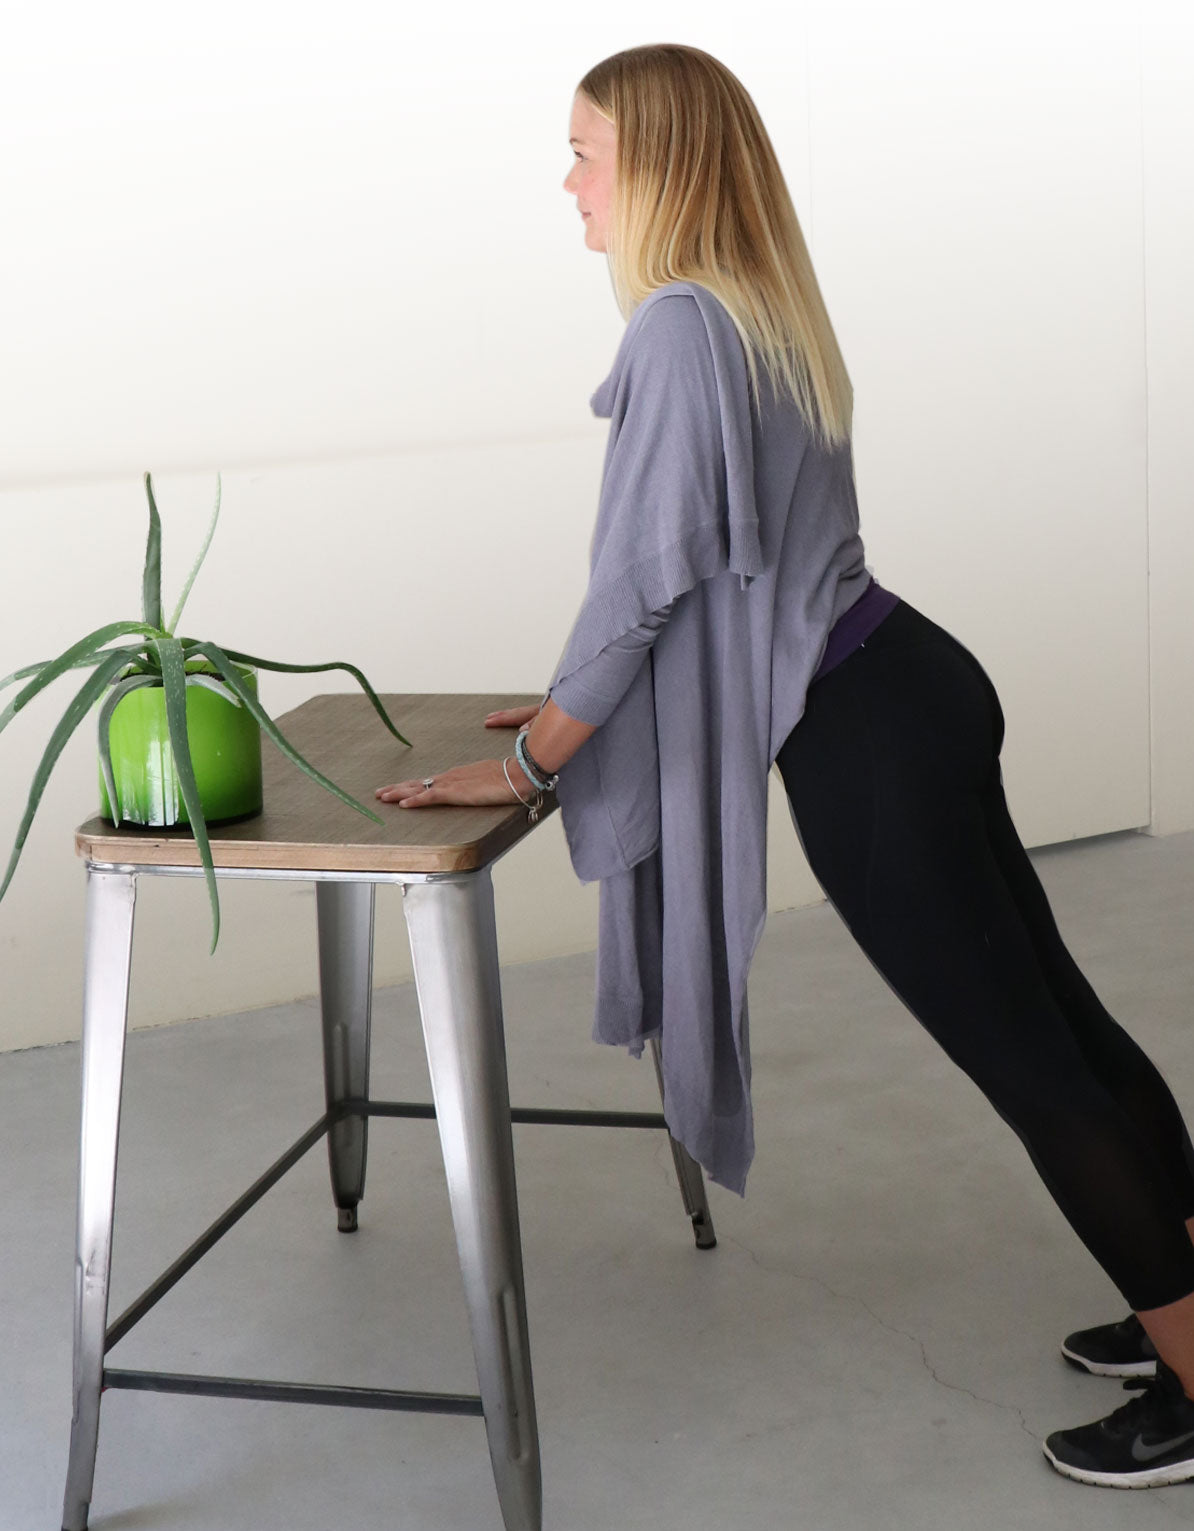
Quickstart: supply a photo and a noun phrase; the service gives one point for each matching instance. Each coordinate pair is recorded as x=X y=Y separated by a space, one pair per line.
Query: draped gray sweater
x=726 y=546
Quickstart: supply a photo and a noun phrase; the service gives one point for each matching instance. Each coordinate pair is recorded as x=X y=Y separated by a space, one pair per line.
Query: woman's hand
x=512 y=717
x=480 y=784
x=477 y=785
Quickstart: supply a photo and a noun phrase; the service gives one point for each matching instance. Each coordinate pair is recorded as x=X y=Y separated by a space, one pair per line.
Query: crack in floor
x=851 y=1297
x=1167 y=1508
x=662 y=1160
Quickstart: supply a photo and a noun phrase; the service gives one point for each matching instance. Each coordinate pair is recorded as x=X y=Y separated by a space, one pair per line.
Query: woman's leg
x=893 y=779
x=1122 y=1066
x=1117 y=1061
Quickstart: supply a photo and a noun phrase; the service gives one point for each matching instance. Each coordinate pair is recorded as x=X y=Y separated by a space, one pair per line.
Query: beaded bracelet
x=548 y=777
x=533 y=776
x=539 y=778
x=530 y=775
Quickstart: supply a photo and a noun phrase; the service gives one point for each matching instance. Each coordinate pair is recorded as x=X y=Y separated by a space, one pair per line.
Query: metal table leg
x=454 y=950
x=108 y=953
x=688 y=1173
x=345 y=917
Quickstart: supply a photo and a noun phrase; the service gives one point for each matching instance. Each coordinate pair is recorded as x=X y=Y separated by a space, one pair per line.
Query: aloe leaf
x=85 y=649
x=198 y=564
x=174 y=679
x=151 y=580
x=88 y=693
x=30 y=669
x=233 y=678
x=210 y=683
x=310 y=669
x=75 y=664
x=119 y=690
x=202 y=674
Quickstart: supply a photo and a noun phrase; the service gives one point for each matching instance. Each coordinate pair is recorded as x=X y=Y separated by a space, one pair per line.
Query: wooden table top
x=303 y=827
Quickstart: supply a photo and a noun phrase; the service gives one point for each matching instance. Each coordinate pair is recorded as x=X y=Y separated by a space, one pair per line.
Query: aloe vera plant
x=160 y=658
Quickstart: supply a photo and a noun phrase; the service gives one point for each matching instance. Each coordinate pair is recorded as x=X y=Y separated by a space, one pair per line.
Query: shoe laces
x=1156 y=1395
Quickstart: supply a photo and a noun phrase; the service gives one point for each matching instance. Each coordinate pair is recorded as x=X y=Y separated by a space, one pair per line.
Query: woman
x=731 y=624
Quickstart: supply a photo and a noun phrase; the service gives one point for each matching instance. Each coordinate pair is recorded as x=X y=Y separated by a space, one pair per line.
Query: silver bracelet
x=532 y=808
x=511 y=785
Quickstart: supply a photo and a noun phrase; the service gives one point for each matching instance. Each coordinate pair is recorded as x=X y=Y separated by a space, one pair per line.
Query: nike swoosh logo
x=1143 y=1453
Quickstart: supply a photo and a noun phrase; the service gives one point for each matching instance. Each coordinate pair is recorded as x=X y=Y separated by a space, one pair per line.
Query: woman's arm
x=553 y=738
x=593 y=690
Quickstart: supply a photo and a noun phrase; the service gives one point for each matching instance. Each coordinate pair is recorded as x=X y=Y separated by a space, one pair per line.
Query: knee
x=1050 y=1103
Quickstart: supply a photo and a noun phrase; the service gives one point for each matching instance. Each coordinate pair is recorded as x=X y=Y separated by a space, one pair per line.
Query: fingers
x=480 y=783
x=510 y=717
x=404 y=792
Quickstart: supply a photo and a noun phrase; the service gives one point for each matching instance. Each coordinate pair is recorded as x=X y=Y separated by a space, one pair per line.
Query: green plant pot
x=225 y=743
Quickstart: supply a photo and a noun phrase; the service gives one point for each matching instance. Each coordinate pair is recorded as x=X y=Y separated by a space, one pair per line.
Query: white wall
x=333 y=259
x=1168 y=258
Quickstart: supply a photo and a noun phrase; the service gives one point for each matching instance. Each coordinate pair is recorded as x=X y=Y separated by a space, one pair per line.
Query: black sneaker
x=1113 y=1350
x=1143 y=1443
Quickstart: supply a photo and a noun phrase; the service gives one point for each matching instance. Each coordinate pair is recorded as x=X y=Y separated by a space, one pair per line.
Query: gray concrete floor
x=873 y=1343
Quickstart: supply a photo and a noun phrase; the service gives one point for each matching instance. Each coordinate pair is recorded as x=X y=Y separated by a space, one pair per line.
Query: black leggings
x=893 y=776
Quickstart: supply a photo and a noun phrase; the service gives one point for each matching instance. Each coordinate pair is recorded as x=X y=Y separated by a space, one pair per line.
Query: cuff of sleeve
x=579 y=703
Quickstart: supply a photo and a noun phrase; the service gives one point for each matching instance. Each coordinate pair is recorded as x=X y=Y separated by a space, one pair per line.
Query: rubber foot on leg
x=346 y=1219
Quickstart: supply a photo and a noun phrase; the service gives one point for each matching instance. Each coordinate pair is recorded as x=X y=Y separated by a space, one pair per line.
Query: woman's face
x=591 y=179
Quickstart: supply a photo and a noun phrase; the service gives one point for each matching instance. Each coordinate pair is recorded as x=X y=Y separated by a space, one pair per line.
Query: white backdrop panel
x=331 y=255
x=976 y=216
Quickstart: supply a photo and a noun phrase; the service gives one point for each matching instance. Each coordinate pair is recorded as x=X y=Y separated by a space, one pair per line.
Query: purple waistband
x=855 y=626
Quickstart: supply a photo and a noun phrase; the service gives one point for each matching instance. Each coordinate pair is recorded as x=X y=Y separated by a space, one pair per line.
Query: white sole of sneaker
x=1109 y=1369
x=1149 y=1477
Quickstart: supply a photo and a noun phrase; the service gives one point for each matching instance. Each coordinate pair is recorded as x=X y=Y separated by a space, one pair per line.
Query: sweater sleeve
x=590 y=693
x=671 y=513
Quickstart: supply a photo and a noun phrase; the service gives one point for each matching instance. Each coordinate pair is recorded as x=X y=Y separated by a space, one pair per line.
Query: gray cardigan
x=725 y=548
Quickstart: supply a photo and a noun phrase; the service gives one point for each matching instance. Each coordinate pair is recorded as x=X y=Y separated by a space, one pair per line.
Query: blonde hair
x=699 y=197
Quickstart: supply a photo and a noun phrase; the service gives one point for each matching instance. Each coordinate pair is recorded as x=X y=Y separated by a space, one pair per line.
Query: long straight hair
x=699 y=196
